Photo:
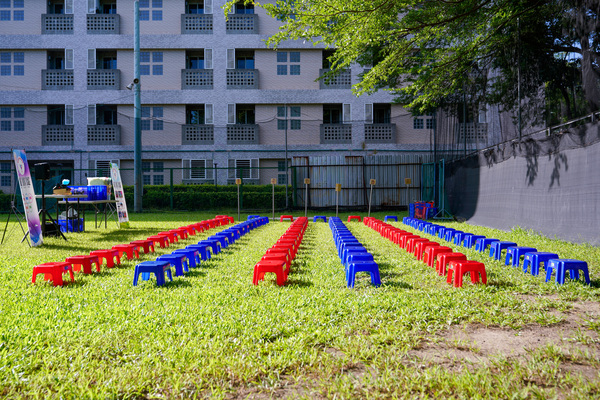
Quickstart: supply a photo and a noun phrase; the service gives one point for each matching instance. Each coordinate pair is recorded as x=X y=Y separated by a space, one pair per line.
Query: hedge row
x=205 y=197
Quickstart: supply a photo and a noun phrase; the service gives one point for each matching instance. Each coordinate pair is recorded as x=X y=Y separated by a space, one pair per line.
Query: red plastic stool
x=109 y=255
x=397 y=236
x=275 y=266
x=354 y=218
x=288 y=217
x=421 y=247
x=444 y=258
x=172 y=235
x=190 y=229
x=162 y=240
x=84 y=262
x=412 y=243
x=459 y=268
x=404 y=239
x=128 y=249
x=432 y=252
x=279 y=257
x=181 y=233
x=145 y=244
x=53 y=271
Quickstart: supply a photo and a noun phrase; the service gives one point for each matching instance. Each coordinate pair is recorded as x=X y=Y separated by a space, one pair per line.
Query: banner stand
x=14 y=210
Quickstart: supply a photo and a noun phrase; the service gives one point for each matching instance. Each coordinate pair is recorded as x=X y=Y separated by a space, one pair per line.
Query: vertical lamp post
x=137 y=106
x=306 y=183
x=286 y=157
x=273 y=182
x=372 y=183
x=338 y=189
x=238 y=182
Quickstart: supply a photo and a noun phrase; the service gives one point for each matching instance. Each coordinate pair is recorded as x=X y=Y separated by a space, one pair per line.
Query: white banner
x=28 y=195
x=115 y=175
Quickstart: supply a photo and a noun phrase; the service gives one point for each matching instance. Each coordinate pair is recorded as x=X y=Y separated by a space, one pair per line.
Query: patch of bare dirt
x=472 y=345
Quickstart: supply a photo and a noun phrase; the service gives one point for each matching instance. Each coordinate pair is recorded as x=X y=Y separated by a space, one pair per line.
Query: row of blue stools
x=532 y=259
x=192 y=255
x=354 y=256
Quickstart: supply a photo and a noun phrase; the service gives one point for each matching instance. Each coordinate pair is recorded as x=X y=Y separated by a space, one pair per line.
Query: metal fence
x=398 y=180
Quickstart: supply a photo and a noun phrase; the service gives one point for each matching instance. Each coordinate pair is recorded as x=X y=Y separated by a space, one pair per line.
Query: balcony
x=242 y=134
x=103 y=24
x=241 y=24
x=103 y=79
x=341 y=80
x=242 y=78
x=57 y=24
x=196 y=24
x=57 y=79
x=104 y=135
x=57 y=135
x=197 y=79
x=380 y=133
x=336 y=133
x=197 y=134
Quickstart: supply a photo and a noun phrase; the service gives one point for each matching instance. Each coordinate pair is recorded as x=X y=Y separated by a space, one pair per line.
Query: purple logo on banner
x=28 y=196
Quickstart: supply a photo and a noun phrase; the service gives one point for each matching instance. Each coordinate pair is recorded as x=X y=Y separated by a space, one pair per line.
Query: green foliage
x=428 y=52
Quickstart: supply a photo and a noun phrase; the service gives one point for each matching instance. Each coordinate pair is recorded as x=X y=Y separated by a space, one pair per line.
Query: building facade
x=213 y=94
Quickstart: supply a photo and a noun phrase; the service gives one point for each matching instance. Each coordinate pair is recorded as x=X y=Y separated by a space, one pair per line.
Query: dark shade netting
x=547 y=183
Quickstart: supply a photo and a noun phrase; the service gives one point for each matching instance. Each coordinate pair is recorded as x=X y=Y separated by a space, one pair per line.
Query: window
x=158 y=179
x=282 y=57
x=281 y=124
x=244 y=59
x=194 y=60
x=280 y=166
x=281 y=179
x=5 y=178
x=12 y=119
x=154 y=8
x=418 y=123
x=146 y=179
x=241 y=8
x=294 y=112
x=156 y=62
x=332 y=113
x=194 y=114
x=12 y=63
x=381 y=113
x=150 y=169
x=245 y=168
x=295 y=124
x=245 y=114
x=194 y=7
x=430 y=123
x=150 y=117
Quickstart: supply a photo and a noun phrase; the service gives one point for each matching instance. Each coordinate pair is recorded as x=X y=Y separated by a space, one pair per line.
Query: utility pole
x=137 y=106
x=286 y=157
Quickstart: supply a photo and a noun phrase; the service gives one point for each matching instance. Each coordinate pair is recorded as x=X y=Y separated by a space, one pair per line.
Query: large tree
x=428 y=51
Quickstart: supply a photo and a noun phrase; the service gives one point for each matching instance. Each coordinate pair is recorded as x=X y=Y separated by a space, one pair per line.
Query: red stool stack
x=53 y=271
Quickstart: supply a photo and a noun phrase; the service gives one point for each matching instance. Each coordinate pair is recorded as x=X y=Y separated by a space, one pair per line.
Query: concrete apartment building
x=212 y=95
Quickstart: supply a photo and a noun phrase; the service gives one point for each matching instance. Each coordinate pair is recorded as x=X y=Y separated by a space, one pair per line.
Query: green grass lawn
x=212 y=334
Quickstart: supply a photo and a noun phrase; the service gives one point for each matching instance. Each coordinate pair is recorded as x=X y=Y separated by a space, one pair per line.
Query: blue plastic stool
x=458 y=237
x=223 y=240
x=158 y=268
x=353 y=256
x=363 y=266
x=390 y=218
x=535 y=259
x=179 y=261
x=192 y=255
x=514 y=254
x=230 y=236
x=497 y=247
x=482 y=243
x=434 y=229
x=253 y=216
x=215 y=244
x=319 y=217
x=202 y=248
x=561 y=265
x=469 y=239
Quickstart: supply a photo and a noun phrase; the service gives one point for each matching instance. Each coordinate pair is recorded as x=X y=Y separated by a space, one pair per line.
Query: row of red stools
x=279 y=257
x=53 y=271
x=443 y=259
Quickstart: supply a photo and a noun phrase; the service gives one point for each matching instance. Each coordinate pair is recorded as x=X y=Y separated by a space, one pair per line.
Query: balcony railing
x=57 y=79
x=341 y=80
x=380 y=133
x=104 y=134
x=336 y=133
x=103 y=79
x=57 y=24
x=57 y=135
x=242 y=78
x=196 y=79
x=198 y=24
x=471 y=133
x=242 y=134
x=197 y=134
x=241 y=23
x=102 y=24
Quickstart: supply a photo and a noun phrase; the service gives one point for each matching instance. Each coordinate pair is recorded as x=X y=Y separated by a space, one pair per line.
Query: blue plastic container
x=71 y=225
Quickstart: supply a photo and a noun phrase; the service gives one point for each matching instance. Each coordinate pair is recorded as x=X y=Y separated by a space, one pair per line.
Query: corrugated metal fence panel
x=354 y=174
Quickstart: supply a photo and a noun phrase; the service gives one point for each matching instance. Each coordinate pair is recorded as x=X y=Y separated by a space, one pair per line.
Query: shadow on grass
x=299 y=283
